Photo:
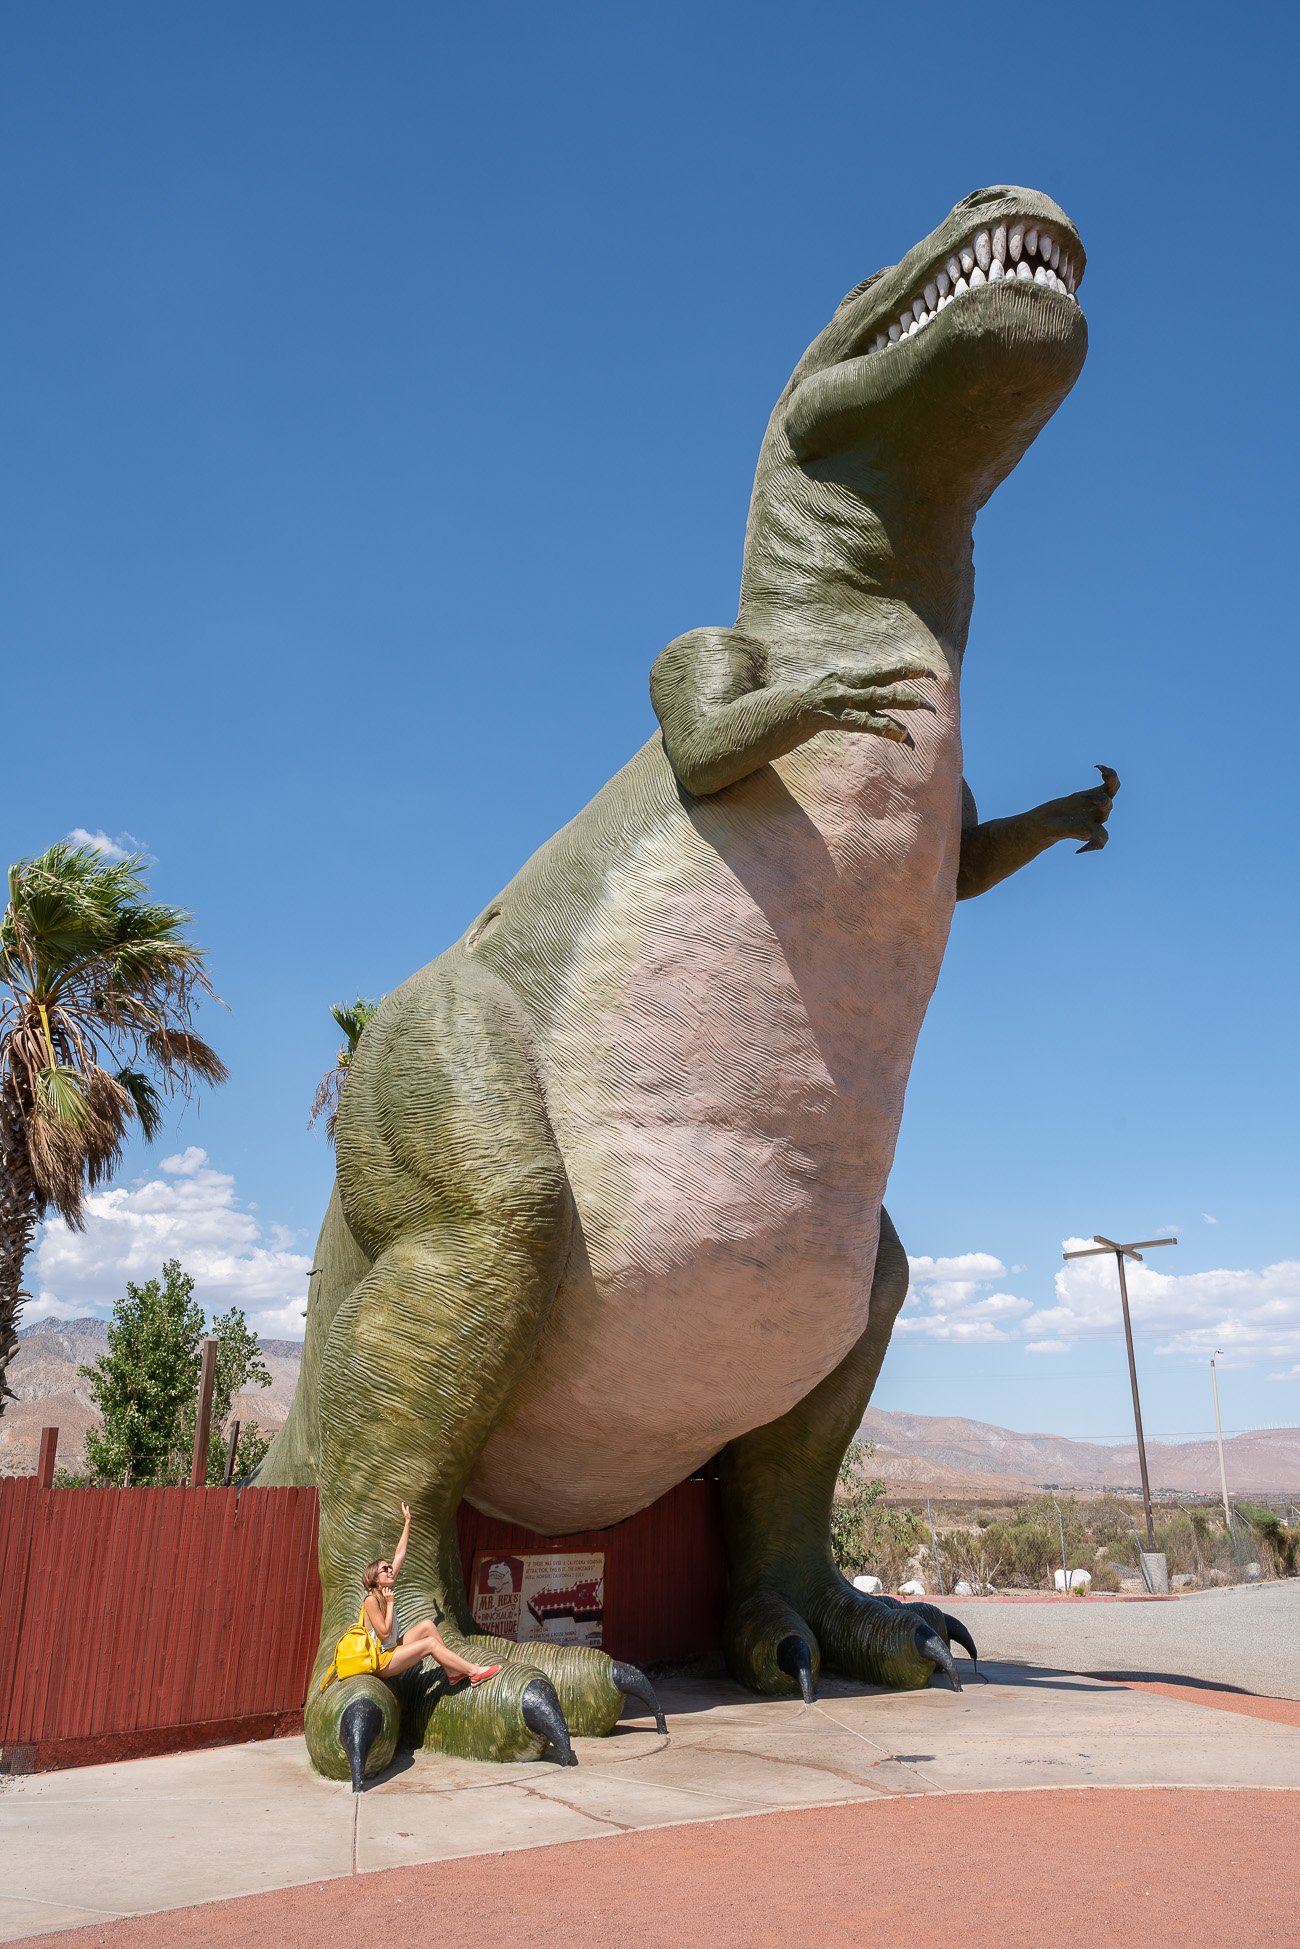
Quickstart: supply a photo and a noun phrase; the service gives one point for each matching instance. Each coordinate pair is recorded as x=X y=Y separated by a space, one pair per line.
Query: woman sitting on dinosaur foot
x=391 y=1651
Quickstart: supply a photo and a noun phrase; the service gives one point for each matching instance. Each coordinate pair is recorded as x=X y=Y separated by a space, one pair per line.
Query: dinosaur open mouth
x=1018 y=248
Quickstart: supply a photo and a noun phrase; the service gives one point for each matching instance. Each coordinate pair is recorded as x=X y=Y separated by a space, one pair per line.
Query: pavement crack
x=558 y=1800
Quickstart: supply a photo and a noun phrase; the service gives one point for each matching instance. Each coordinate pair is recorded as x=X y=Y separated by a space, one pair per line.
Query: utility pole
x=1122 y=1252
x=1218 y=1430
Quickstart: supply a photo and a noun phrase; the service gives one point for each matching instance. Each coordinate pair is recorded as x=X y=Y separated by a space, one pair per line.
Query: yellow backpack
x=357 y=1651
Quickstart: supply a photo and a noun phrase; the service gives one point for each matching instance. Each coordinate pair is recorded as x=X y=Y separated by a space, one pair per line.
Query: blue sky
x=385 y=386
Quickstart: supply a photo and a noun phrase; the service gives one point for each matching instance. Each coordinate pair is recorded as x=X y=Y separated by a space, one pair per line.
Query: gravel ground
x=1247 y=1637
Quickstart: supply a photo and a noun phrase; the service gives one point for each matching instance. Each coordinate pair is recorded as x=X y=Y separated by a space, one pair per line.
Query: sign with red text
x=540 y=1598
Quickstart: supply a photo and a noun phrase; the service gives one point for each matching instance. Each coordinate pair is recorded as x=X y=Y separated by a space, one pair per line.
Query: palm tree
x=351 y=1018
x=98 y=987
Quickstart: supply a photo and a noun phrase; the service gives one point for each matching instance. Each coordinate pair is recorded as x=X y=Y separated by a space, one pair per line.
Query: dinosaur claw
x=794 y=1656
x=635 y=1685
x=931 y=1646
x=358 y=1727
x=958 y=1632
x=1109 y=778
x=540 y=1706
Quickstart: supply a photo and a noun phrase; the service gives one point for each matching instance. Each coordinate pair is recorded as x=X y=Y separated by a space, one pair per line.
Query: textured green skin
x=448 y=1233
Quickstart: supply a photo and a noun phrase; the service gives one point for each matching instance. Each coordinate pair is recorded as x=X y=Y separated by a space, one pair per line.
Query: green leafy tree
x=98 y=989
x=146 y=1385
x=351 y=1018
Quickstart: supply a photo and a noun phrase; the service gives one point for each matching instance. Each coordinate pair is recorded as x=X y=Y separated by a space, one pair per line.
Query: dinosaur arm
x=722 y=719
x=994 y=849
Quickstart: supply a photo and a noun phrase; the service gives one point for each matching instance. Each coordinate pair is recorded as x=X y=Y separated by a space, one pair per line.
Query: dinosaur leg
x=790 y=1612
x=464 y=1212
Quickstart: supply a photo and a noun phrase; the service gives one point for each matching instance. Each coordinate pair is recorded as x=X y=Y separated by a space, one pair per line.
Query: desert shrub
x=868 y=1535
x=1279 y=1545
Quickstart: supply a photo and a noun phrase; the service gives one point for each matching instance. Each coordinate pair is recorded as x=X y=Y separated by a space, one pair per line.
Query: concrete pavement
x=1247 y=1636
x=87 y=1846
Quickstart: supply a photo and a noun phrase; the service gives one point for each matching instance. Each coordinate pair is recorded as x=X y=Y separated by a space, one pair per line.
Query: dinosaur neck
x=827 y=566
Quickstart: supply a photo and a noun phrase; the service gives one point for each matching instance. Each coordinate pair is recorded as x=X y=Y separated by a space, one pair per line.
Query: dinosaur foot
x=593 y=1689
x=351 y=1729
x=779 y=1651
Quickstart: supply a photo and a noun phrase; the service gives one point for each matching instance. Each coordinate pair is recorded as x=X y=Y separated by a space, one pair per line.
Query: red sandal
x=480 y=1678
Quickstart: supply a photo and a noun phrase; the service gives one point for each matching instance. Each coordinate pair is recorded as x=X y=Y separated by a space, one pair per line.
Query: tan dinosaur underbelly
x=726 y=1086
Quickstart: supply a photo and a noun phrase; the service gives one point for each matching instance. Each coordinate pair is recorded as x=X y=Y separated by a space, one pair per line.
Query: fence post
x=45 y=1460
x=203 y=1414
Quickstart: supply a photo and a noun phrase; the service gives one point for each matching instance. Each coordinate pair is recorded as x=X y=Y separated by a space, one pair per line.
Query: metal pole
x=1218 y=1430
x=1137 y=1405
x=232 y=1449
x=1065 y=1568
x=203 y=1414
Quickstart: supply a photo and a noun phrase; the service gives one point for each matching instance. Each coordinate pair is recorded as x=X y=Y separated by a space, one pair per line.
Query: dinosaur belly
x=725 y=1080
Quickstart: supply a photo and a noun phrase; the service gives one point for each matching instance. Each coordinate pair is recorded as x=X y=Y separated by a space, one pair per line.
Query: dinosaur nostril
x=978 y=197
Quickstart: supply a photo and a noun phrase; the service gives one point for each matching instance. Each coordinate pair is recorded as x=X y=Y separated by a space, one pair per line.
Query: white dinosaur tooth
x=1044 y=247
x=1000 y=243
x=894 y=334
x=1041 y=274
x=996 y=271
x=1031 y=243
x=918 y=307
x=960 y=286
x=1015 y=242
x=953 y=267
x=944 y=282
x=983 y=250
x=1056 y=256
x=967 y=259
x=945 y=300
x=977 y=277
x=1024 y=273
x=932 y=294
x=881 y=342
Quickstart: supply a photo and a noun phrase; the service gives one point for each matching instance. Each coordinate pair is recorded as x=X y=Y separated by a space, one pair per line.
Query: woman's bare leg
x=423 y=1641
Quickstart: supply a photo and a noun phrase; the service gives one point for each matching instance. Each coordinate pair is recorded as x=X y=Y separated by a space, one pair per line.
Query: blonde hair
x=370 y=1575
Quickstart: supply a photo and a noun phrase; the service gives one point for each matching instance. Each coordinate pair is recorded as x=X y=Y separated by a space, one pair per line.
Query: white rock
x=912 y=1588
x=870 y=1584
x=963 y=1589
x=1079 y=1579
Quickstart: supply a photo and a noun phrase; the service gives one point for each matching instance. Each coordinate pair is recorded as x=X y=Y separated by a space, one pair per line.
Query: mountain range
x=917 y=1454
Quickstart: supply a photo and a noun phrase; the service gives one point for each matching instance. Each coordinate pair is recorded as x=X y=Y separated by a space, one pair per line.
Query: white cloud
x=120 y=848
x=1251 y=1315
x=948 y=1301
x=1208 y=1220
x=1292 y=1374
x=1047 y=1346
x=188 y=1212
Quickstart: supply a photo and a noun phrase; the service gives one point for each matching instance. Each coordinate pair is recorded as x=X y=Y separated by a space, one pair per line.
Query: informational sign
x=531 y=1597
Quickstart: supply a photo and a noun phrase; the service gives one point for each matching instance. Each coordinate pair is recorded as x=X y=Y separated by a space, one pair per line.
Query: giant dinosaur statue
x=610 y=1169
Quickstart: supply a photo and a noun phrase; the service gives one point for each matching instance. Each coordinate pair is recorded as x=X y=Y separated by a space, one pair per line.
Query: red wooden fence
x=138 y=1621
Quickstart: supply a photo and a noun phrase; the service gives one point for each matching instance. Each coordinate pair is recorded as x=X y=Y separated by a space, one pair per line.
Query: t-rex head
x=958 y=355
x=920 y=395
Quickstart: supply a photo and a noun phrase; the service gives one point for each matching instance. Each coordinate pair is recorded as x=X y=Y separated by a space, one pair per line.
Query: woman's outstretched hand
x=406 y=1513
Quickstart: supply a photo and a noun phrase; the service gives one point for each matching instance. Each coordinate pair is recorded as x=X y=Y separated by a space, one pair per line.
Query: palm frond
x=146 y=1101
x=182 y=1055
x=352 y=1018
x=61 y=1096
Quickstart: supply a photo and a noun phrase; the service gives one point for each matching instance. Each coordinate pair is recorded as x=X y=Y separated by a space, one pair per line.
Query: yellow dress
x=358 y=1650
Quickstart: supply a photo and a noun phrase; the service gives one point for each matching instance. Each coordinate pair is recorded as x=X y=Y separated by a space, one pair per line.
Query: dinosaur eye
x=858 y=289
x=978 y=197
